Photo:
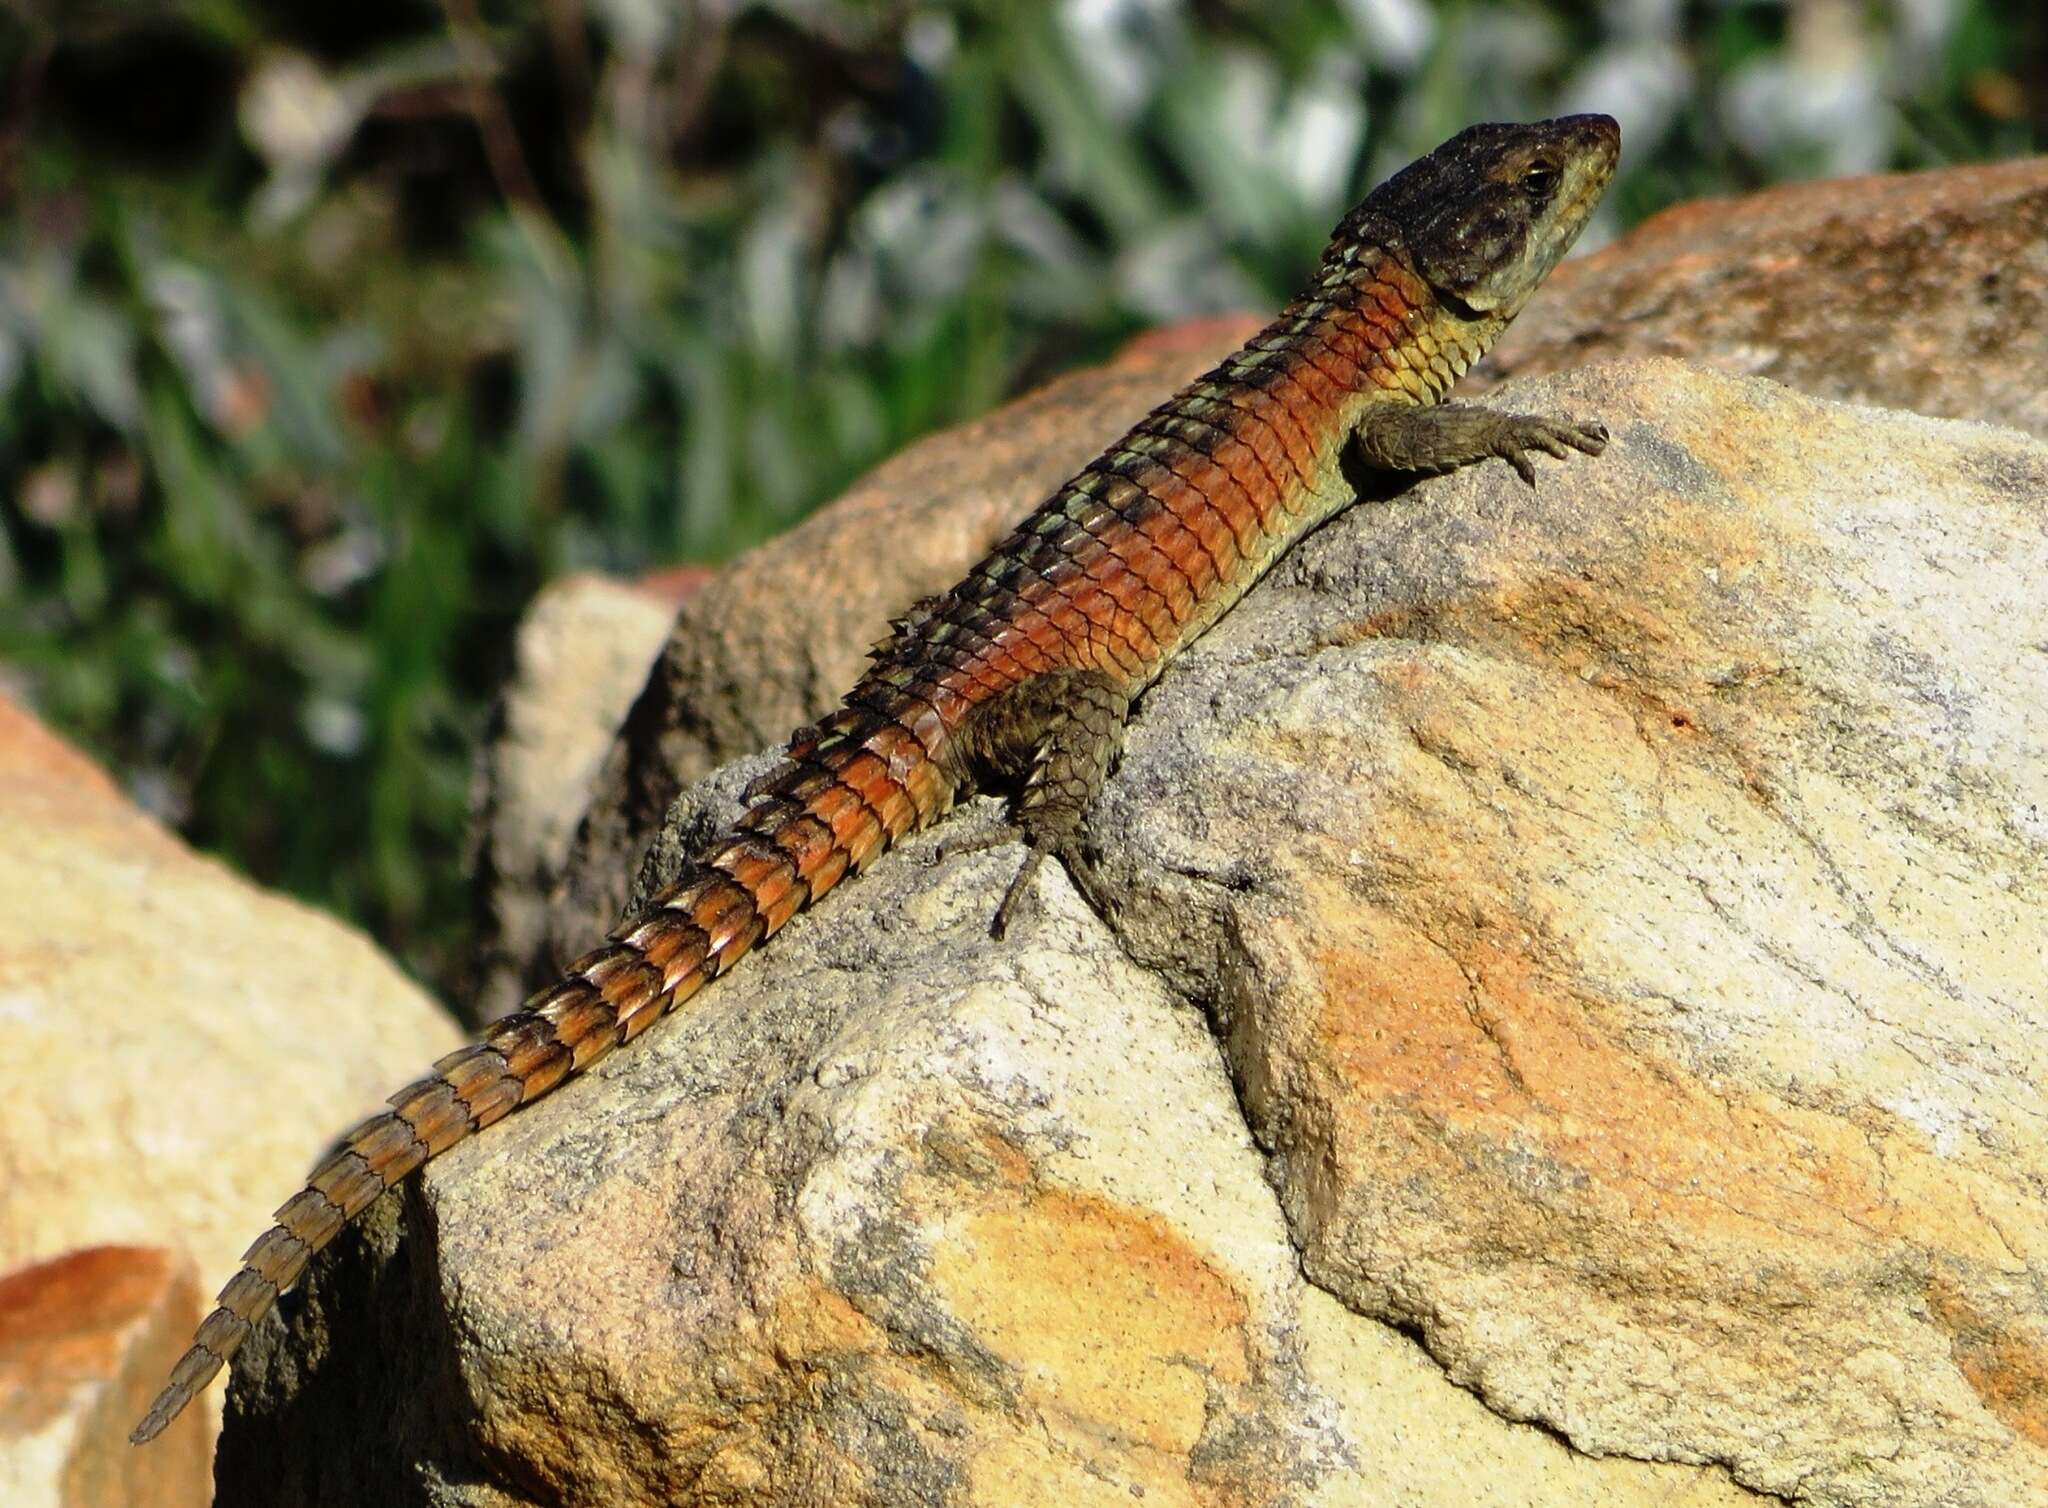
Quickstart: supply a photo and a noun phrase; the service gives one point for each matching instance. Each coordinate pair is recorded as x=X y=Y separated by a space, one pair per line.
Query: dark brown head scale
x=1486 y=215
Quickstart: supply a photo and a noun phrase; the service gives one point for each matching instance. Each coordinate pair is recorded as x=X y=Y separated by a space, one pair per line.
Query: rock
x=1926 y=291
x=901 y=1220
x=583 y=652
x=181 y=1044
x=85 y=1342
x=1621 y=911
x=1642 y=997
x=774 y=638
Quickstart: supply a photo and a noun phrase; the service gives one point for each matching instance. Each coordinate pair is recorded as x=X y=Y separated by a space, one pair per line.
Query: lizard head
x=1484 y=217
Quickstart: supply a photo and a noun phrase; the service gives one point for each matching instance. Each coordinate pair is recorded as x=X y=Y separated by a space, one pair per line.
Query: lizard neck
x=1392 y=337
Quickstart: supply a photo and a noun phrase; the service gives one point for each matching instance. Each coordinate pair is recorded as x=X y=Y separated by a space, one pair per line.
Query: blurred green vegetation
x=327 y=333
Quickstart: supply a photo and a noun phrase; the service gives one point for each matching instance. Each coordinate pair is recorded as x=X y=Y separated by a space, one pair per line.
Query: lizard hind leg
x=1052 y=740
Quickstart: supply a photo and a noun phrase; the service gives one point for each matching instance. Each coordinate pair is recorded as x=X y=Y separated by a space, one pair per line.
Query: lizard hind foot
x=1052 y=738
x=997 y=835
x=1017 y=894
x=1080 y=869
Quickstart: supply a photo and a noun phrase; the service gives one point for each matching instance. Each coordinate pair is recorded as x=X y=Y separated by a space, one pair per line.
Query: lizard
x=1019 y=680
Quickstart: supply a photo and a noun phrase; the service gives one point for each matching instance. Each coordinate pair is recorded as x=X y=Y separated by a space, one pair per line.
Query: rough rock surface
x=85 y=1341
x=582 y=656
x=181 y=1044
x=1926 y=291
x=1620 y=908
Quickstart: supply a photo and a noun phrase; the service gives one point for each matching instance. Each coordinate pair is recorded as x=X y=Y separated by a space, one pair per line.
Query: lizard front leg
x=1445 y=436
x=1053 y=739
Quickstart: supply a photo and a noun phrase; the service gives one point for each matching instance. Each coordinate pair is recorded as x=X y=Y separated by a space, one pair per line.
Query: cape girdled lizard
x=1020 y=678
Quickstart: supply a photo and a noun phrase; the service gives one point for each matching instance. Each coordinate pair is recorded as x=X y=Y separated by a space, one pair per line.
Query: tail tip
x=194 y=1370
x=166 y=1408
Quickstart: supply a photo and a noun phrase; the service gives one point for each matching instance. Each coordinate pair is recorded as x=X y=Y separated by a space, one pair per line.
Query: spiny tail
x=848 y=790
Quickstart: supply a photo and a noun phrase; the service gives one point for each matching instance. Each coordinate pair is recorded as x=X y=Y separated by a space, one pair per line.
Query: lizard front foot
x=1517 y=434
x=1445 y=436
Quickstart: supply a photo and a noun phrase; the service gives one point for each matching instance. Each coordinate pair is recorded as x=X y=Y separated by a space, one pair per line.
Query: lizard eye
x=1539 y=180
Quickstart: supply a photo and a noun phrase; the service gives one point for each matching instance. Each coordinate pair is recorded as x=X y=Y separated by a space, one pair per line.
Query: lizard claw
x=1013 y=897
x=996 y=835
x=1088 y=880
x=1521 y=433
x=1080 y=869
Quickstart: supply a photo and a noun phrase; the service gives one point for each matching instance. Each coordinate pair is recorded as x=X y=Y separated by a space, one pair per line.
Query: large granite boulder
x=1574 y=1036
